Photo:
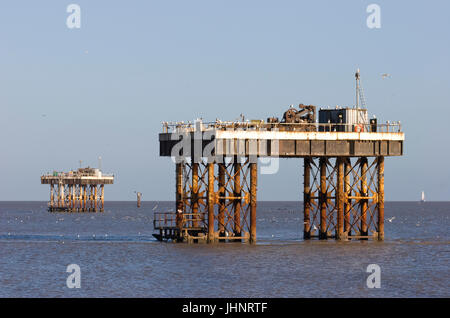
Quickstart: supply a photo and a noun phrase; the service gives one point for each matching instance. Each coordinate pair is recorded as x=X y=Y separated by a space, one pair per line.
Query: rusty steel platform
x=261 y=140
x=216 y=174
x=81 y=190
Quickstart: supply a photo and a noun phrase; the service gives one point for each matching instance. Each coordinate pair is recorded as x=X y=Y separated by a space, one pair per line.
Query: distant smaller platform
x=80 y=190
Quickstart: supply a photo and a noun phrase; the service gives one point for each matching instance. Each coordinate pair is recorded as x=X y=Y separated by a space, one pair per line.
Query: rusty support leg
x=340 y=198
x=363 y=202
x=380 y=172
x=347 y=194
x=306 y=198
x=221 y=214
x=95 y=198
x=69 y=198
x=52 y=204
x=80 y=199
x=85 y=198
x=58 y=196
x=253 y=189
x=91 y=198
x=88 y=196
x=73 y=198
x=63 y=196
x=179 y=206
x=138 y=197
x=323 y=198
x=102 y=195
x=76 y=197
x=80 y=207
x=210 y=202
x=85 y=194
x=237 y=195
x=194 y=194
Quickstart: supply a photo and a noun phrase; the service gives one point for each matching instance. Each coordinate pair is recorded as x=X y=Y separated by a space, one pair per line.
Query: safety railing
x=68 y=175
x=388 y=127
x=163 y=220
x=168 y=220
x=194 y=220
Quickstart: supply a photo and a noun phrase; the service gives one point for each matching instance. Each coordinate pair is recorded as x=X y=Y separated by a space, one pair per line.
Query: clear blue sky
x=102 y=90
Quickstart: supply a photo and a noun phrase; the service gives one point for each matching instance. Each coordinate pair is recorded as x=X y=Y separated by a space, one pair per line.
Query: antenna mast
x=357 y=76
x=360 y=100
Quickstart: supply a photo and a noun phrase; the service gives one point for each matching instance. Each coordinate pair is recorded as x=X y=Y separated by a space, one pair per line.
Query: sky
x=71 y=94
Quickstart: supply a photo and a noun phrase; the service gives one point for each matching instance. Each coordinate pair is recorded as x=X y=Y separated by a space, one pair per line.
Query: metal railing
x=388 y=127
x=162 y=220
x=168 y=220
x=69 y=175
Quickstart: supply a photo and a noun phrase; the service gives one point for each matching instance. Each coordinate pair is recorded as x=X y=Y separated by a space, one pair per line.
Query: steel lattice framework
x=343 y=199
x=76 y=197
x=217 y=199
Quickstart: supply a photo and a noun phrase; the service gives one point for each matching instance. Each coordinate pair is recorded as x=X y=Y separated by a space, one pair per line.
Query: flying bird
x=385 y=75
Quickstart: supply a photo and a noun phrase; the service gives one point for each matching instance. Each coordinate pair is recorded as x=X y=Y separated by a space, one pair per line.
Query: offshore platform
x=81 y=190
x=216 y=172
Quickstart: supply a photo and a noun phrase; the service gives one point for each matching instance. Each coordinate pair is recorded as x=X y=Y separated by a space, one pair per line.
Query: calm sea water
x=118 y=256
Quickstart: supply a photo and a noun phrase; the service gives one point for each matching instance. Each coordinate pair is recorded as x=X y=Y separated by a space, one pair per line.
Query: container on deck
x=343 y=119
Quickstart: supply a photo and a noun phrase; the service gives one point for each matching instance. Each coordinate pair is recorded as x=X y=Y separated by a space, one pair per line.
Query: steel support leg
x=363 y=201
x=194 y=194
x=211 y=202
x=52 y=203
x=179 y=206
x=102 y=194
x=253 y=187
x=340 y=199
x=348 y=201
x=237 y=195
x=380 y=173
x=221 y=192
x=323 y=198
x=306 y=198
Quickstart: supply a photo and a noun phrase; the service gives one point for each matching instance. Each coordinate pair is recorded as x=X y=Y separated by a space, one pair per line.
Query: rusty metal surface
x=343 y=199
x=343 y=190
x=289 y=144
x=80 y=190
x=76 y=198
x=85 y=176
x=340 y=198
x=253 y=200
x=380 y=201
x=221 y=203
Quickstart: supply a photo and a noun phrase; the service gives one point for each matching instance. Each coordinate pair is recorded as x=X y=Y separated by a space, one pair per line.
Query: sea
x=117 y=255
